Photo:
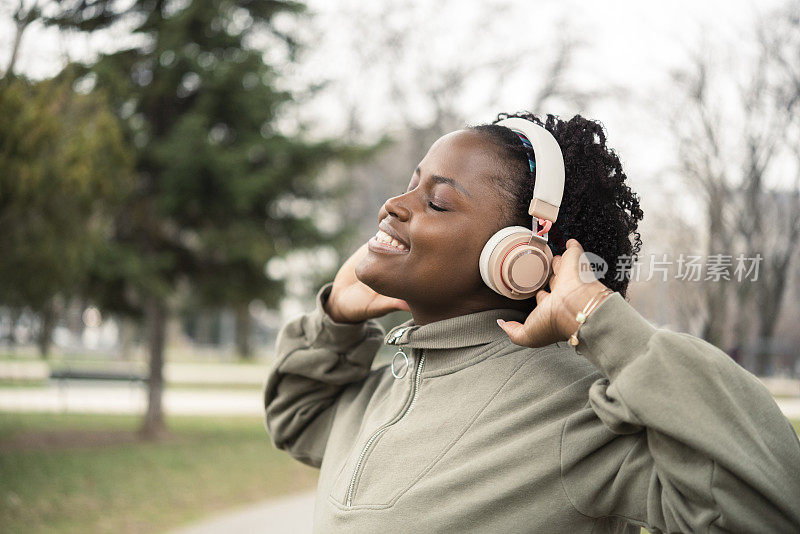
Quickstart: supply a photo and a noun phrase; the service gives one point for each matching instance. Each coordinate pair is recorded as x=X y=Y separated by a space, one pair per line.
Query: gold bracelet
x=581 y=316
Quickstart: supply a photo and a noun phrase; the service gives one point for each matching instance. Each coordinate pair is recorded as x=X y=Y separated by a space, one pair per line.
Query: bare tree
x=736 y=154
x=554 y=84
x=78 y=15
x=698 y=129
x=23 y=16
x=771 y=108
x=425 y=94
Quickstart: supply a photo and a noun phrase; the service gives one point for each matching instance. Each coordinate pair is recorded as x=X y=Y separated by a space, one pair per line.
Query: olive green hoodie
x=641 y=426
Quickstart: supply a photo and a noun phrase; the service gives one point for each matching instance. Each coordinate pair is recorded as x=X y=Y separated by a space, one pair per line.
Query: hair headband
x=527 y=143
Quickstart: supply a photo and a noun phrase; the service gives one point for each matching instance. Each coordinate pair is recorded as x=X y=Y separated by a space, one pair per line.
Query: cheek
x=454 y=253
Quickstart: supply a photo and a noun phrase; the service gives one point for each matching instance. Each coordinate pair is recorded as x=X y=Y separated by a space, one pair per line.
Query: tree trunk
x=13 y=341
x=9 y=73
x=244 y=328
x=127 y=334
x=153 y=426
x=763 y=356
x=47 y=324
x=21 y=22
x=769 y=305
x=716 y=291
x=742 y=334
x=74 y=317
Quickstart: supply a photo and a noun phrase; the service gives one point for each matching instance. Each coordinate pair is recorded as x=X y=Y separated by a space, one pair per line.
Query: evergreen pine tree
x=200 y=108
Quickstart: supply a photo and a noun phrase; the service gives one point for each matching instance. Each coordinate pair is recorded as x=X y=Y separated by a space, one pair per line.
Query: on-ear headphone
x=516 y=261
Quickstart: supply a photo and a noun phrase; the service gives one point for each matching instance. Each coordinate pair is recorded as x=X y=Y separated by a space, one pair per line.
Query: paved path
x=128 y=398
x=131 y=398
x=789 y=407
x=174 y=372
x=293 y=514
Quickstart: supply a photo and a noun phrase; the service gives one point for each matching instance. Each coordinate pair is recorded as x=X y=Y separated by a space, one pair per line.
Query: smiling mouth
x=385 y=239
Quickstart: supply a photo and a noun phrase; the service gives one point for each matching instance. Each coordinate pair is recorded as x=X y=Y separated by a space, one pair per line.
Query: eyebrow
x=444 y=180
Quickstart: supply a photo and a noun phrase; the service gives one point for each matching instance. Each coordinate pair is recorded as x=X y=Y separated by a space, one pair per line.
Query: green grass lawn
x=86 y=473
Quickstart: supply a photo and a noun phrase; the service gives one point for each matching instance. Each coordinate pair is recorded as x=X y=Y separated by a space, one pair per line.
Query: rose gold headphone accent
x=532 y=252
x=502 y=263
x=503 y=260
x=546 y=225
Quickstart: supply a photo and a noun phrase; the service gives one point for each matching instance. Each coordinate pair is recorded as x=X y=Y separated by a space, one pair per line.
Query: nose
x=396 y=207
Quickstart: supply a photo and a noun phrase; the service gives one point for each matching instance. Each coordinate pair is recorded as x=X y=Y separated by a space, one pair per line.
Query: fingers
x=572 y=255
x=514 y=331
x=573 y=248
x=540 y=296
x=569 y=253
x=524 y=335
x=556 y=264
x=381 y=305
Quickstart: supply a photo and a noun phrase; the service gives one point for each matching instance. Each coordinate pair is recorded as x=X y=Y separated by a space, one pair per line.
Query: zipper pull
x=403 y=368
x=397 y=335
x=400 y=361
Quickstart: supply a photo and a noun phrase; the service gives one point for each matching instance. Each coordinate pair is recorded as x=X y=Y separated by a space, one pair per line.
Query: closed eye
x=431 y=204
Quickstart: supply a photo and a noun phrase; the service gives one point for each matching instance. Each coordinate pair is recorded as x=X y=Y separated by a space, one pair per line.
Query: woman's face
x=442 y=222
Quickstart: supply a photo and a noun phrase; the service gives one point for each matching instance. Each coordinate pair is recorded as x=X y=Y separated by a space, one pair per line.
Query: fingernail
x=500 y=323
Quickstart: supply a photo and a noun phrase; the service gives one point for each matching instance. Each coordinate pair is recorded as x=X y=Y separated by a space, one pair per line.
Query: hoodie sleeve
x=677 y=437
x=316 y=359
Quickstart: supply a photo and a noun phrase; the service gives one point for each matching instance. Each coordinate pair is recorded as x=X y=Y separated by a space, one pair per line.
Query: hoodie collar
x=445 y=337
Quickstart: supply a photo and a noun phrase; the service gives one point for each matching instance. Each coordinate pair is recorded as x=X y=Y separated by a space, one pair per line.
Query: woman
x=488 y=419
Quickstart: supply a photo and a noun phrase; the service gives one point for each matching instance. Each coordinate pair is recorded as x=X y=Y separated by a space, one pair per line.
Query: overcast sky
x=627 y=44
x=630 y=45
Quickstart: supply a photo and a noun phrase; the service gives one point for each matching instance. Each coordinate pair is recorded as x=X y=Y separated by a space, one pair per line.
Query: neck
x=424 y=313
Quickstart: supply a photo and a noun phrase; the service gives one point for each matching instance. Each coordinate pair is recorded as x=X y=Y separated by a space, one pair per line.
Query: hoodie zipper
x=414 y=394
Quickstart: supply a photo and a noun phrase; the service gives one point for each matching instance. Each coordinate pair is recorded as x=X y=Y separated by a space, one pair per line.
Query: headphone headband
x=548 y=187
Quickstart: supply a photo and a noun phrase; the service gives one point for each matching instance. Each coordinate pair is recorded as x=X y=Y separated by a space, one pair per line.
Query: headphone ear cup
x=490 y=247
x=515 y=263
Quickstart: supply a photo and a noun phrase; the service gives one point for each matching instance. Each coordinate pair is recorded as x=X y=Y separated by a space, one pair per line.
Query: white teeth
x=383 y=237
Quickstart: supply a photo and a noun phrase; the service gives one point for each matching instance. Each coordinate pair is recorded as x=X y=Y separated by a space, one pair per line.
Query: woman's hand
x=553 y=319
x=352 y=301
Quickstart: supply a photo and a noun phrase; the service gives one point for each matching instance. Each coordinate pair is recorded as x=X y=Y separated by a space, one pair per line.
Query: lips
x=385 y=241
x=392 y=233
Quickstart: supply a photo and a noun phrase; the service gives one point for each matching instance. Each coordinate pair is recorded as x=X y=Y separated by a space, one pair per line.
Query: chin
x=377 y=279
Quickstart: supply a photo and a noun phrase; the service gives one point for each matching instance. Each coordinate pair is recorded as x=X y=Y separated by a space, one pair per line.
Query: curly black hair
x=598 y=208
